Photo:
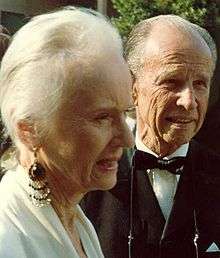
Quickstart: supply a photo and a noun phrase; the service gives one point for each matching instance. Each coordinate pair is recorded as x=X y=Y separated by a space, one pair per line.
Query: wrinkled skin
x=90 y=127
x=172 y=89
x=85 y=141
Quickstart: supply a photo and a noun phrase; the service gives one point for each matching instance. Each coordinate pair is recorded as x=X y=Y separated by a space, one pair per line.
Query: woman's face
x=90 y=132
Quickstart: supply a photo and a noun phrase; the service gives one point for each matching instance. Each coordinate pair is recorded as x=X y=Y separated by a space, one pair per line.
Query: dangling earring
x=38 y=185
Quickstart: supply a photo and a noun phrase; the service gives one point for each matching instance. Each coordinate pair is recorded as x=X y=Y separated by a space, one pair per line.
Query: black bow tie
x=143 y=161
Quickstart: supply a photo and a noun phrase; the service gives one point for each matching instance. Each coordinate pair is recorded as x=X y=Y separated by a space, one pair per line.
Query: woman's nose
x=123 y=136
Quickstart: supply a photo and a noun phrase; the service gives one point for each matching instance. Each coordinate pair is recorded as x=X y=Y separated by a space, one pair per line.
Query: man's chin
x=177 y=141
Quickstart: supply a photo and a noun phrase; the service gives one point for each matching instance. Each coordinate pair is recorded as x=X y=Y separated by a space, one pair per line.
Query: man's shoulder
x=203 y=153
x=125 y=164
x=206 y=162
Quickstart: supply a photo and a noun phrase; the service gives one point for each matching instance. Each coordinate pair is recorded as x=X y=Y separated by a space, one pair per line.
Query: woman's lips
x=107 y=165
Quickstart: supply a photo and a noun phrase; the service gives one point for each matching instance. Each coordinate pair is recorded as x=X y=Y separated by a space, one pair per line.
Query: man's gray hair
x=47 y=56
x=134 y=51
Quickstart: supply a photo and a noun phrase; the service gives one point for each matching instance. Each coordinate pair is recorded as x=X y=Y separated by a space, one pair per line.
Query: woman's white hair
x=34 y=72
x=134 y=50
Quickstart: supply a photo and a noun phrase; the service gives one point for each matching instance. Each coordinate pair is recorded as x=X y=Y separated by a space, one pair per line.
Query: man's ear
x=26 y=132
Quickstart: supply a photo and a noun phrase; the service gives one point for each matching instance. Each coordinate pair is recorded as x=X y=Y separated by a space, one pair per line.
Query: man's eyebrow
x=204 y=76
x=164 y=74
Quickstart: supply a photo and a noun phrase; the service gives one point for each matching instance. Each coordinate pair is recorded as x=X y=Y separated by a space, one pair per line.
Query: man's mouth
x=180 y=120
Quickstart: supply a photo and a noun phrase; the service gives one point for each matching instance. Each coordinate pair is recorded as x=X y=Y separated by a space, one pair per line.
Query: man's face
x=172 y=91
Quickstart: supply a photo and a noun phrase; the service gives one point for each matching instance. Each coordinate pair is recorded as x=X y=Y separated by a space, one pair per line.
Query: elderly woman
x=64 y=92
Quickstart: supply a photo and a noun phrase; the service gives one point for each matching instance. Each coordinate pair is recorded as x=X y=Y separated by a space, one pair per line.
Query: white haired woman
x=64 y=91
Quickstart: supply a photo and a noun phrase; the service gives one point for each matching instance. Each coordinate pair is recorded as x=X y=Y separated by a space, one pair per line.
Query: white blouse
x=27 y=231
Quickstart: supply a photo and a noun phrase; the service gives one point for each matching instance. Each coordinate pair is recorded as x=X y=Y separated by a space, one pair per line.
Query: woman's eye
x=130 y=110
x=103 y=116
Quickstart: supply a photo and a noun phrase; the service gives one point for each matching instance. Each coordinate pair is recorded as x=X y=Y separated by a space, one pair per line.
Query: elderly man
x=173 y=209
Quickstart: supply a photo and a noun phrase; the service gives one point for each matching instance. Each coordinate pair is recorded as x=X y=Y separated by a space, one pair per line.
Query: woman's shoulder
x=11 y=239
x=10 y=190
x=13 y=211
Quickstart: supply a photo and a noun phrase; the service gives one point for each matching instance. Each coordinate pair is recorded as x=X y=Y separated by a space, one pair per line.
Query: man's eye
x=171 y=82
x=200 y=83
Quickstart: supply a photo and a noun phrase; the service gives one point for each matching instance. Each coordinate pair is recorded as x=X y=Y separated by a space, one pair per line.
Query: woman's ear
x=26 y=132
x=135 y=93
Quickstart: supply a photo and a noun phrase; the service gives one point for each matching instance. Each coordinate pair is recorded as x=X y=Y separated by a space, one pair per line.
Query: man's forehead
x=177 y=57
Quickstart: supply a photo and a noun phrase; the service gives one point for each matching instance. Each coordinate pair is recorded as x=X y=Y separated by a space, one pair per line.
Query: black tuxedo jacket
x=196 y=210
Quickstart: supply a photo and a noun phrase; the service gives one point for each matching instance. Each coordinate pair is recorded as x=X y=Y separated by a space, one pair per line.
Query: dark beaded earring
x=39 y=190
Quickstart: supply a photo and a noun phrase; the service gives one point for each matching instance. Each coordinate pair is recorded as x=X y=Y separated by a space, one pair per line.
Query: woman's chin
x=105 y=182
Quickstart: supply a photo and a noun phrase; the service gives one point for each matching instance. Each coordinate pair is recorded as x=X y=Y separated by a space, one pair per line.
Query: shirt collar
x=180 y=152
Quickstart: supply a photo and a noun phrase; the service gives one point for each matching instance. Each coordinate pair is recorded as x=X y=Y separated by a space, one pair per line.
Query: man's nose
x=187 y=98
x=123 y=136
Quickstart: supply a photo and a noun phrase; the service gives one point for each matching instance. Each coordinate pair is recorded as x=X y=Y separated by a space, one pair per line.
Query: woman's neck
x=65 y=207
x=67 y=213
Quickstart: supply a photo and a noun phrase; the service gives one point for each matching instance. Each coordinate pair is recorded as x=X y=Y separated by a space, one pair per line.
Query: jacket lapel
x=181 y=215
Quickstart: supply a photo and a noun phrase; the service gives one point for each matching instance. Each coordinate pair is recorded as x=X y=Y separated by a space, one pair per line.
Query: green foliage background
x=201 y=12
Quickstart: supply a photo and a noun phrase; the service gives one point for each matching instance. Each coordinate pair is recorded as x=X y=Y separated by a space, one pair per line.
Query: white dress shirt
x=163 y=182
x=27 y=231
